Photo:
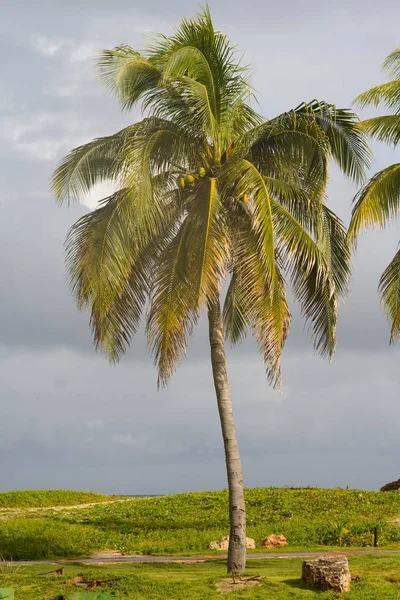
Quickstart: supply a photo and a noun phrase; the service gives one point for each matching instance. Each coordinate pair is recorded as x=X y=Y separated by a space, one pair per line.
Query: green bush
x=39 y=538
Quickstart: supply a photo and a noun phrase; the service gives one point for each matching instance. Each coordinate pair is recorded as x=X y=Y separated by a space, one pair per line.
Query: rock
x=327 y=573
x=223 y=543
x=274 y=541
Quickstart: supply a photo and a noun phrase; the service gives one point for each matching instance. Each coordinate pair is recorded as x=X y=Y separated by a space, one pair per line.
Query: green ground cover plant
x=310 y=518
x=377 y=579
x=36 y=498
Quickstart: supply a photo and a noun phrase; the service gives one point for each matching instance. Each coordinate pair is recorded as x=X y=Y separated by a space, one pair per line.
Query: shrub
x=393 y=486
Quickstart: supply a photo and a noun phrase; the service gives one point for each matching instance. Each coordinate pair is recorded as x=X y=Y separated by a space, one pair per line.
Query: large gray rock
x=327 y=573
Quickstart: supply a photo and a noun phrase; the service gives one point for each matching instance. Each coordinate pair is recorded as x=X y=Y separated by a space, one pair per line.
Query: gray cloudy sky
x=70 y=420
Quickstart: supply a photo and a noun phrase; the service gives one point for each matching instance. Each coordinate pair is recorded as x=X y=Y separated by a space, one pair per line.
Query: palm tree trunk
x=237 y=510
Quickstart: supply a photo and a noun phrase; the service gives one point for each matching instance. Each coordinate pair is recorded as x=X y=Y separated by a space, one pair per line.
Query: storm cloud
x=68 y=419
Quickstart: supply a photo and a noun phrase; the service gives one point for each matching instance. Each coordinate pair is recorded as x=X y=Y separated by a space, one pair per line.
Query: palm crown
x=379 y=200
x=208 y=192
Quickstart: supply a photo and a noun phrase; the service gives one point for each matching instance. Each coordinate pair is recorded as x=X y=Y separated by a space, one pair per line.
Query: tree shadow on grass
x=300 y=585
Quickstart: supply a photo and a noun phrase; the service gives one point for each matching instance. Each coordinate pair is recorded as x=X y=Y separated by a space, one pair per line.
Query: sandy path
x=9 y=512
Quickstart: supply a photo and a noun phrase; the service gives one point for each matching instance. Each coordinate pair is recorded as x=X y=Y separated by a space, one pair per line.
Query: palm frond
x=255 y=301
x=190 y=63
x=389 y=289
x=204 y=55
x=207 y=242
x=202 y=113
x=392 y=63
x=86 y=165
x=239 y=177
x=127 y=74
x=100 y=255
x=385 y=128
x=290 y=148
x=160 y=147
x=234 y=312
x=314 y=268
x=333 y=242
x=189 y=275
x=173 y=313
x=348 y=143
x=377 y=202
x=387 y=94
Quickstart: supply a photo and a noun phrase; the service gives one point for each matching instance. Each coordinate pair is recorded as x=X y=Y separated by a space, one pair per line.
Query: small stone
x=274 y=541
x=223 y=543
x=327 y=573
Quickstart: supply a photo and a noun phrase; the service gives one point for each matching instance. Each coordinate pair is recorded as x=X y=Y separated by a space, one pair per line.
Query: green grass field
x=380 y=580
x=40 y=498
x=186 y=523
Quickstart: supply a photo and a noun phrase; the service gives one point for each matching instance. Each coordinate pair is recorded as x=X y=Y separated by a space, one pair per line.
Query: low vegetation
x=376 y=578
x=186 y=523
x=38 y=498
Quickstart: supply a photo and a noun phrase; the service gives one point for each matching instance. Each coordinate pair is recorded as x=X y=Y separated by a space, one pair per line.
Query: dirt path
x=193 y=559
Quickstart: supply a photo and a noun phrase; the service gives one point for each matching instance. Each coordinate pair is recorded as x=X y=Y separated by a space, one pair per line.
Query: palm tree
x=378 y=201
x=208 y=192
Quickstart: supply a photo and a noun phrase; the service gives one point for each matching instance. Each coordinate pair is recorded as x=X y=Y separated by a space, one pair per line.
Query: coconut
x=245 y=198
x=180 y=181
x=202 y=172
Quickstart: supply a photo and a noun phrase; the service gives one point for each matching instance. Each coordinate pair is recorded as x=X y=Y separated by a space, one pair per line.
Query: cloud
x=82 y=52
x=69 y=50
x=46 y=47
x=44 y=135
x=71 y=420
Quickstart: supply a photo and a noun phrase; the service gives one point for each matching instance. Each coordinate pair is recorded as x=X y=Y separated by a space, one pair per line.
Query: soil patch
x=227 y=585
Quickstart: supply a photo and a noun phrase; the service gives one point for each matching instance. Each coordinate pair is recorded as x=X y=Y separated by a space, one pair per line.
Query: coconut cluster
x=188 y=181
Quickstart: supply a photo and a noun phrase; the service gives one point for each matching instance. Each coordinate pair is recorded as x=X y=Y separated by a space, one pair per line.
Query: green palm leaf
x=235 y=323
x=392 y=63
x=389 y=288
x=387 y=94
x=86 y=165
x=377 y=202
x=319 y=271
x=189 y=275
x=100 y=256
x=127 y=74
x=386 y=128
x=255 y=301
x=341 y=126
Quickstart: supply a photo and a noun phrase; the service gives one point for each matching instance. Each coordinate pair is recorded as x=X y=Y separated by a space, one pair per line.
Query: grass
x=41 y=498
x=310 y=518
x=379 y=579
